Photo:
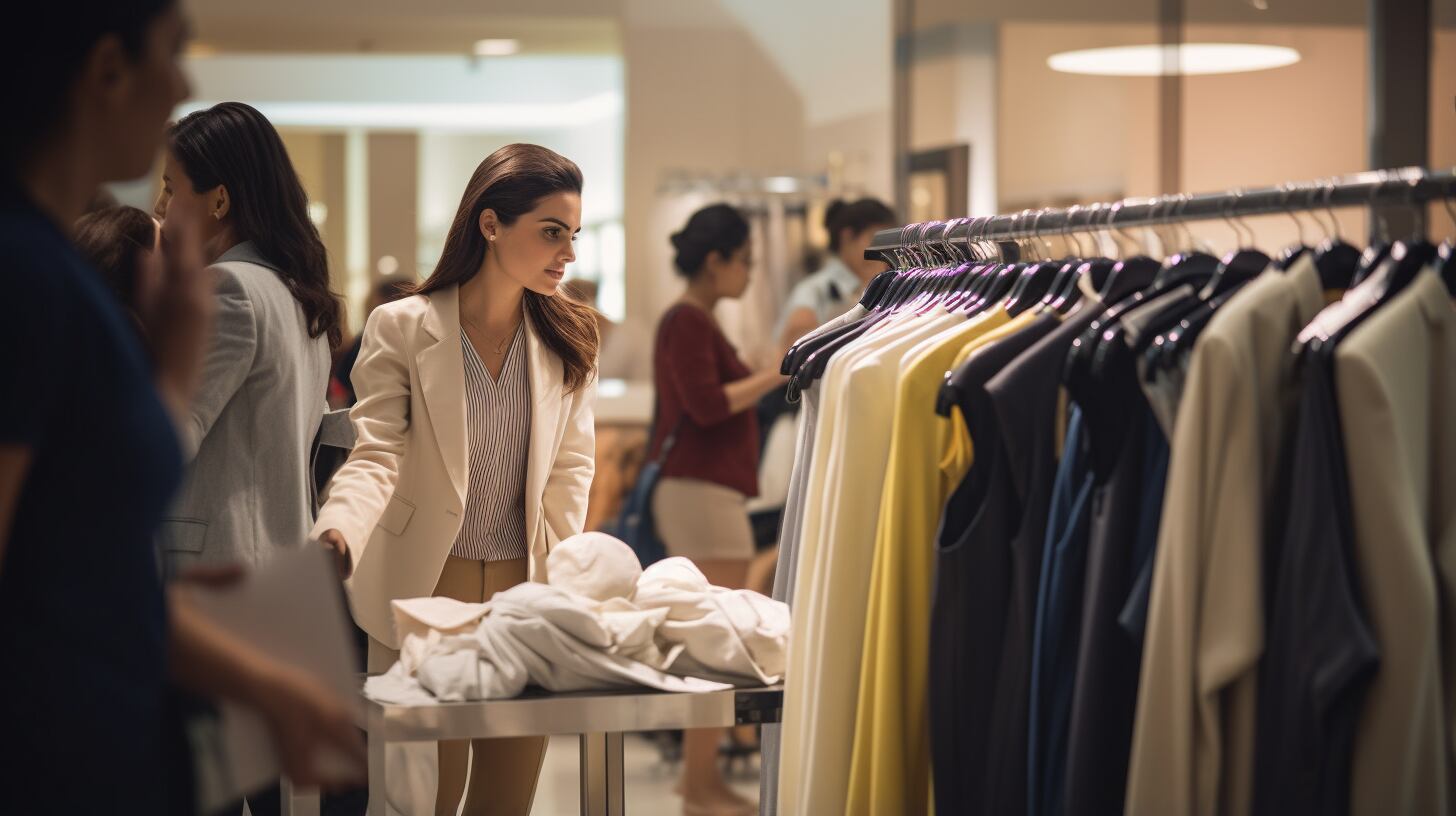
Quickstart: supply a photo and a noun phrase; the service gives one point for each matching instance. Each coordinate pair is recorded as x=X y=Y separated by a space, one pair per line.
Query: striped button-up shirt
x=498 y=430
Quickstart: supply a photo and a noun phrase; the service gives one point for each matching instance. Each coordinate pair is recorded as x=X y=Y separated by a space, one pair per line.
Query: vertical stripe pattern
x=498 y=430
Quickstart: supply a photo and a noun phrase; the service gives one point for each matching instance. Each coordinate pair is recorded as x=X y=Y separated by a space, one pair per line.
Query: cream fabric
x=836 y=551
x=398 y=500
x=1193 y=742
x=1395 y=376
x=672 y=630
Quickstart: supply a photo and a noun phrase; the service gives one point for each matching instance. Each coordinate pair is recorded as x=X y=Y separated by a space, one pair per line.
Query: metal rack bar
x=1408 y=185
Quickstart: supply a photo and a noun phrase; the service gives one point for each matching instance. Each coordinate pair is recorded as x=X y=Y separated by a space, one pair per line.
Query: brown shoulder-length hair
x=512 y=181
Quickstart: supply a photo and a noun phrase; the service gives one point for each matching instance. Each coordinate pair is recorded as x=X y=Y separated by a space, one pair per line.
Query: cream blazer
x=399 y=498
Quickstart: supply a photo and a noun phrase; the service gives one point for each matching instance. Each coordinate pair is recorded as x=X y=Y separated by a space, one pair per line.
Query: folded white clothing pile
x=601 y=622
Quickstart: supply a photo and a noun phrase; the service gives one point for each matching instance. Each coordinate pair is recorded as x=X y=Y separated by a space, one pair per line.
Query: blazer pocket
x=183 y=534
x=396 y=515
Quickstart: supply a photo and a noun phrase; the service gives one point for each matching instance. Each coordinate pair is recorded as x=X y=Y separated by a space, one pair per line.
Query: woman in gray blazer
x=262 y=395
x=264 y=385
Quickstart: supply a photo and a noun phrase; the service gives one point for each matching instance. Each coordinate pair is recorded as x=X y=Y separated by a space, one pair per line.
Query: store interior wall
x=1300 y=122
x=749 y=87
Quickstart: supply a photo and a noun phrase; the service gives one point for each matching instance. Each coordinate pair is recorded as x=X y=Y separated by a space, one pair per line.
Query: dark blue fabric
x=1059 y=603
x=82 y=614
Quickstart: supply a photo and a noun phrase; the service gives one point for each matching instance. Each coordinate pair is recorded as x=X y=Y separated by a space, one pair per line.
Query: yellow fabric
x=890 y=765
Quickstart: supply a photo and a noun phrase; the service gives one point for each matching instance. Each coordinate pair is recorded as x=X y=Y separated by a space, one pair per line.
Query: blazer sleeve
x=361 y=488
x=569 y=485
x=692 y=369
x=229 y=359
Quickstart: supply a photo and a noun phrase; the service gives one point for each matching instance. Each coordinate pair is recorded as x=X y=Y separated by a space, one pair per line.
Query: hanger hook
x=1418 y=210
x=1284 y=205
x=1037 y=236
x=1380 y=228
x=1069 y=230
x=1446 y=201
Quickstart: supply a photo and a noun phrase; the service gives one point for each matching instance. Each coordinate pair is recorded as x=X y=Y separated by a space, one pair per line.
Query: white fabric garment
x=836 y=552
x=601 y=623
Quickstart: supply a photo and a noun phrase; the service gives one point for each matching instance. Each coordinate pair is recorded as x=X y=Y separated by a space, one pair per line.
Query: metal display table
x=599 y=717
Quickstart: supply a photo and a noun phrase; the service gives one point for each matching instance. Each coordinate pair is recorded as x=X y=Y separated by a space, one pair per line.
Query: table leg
x=602 y=776
x=378 y=795
x=299 y=801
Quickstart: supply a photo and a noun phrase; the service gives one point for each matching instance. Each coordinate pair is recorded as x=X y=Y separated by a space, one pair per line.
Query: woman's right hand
x=333 y=541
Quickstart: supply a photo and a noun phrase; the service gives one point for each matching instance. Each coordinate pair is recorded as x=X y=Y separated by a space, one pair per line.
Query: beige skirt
x=702 y=520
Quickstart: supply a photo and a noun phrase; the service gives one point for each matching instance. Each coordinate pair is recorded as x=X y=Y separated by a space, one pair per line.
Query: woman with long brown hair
x=475 y=433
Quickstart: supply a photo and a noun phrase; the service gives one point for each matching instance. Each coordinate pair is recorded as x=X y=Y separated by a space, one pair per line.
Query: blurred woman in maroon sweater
x=705 y=400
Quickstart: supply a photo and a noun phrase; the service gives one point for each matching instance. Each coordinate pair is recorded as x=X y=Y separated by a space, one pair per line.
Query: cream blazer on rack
x=399 y=498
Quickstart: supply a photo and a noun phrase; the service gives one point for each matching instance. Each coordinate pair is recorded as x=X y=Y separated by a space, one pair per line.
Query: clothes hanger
x=1292 y=253
x=1380 y=243
x=1240 y=266
x=1093 y=269
x=1403 y=262
x=1192 y=265
x=820 y=347
x=1037 y=280
x=1064 y=285
x=970 y=288
x=1334 y=259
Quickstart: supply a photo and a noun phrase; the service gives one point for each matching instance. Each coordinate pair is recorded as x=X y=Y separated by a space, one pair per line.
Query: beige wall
x=318 y=158
x=1301 y=122
x=700 y=99
x=393 y=197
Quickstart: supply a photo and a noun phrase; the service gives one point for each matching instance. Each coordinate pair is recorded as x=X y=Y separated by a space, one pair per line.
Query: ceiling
x=594 y=26
x=930 y=14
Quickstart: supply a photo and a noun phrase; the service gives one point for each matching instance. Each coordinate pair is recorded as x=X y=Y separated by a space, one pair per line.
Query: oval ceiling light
x=496 y=48
x=1195 y=58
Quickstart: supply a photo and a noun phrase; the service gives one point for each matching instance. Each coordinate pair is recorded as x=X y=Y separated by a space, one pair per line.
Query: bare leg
x=703 y=786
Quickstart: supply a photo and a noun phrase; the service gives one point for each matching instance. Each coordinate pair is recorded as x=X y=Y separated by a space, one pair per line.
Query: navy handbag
x=635 y=525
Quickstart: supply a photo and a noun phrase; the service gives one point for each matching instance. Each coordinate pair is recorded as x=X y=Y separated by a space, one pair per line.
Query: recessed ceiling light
x=1190 y=59
x=496 y=48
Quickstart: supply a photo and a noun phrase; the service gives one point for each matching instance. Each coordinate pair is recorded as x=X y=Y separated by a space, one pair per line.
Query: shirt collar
x=842 y=275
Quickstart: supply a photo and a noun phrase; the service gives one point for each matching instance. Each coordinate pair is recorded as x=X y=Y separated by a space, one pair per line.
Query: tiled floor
x=649 y=780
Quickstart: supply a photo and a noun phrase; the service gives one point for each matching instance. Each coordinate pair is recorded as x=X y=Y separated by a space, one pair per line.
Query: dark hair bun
x=716 y=228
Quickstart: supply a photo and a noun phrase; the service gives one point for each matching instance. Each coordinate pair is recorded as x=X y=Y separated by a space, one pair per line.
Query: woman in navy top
x=89 y=455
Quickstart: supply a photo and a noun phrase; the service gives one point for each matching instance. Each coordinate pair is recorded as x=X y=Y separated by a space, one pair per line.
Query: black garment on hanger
x=1104 y=701
x=1026 y=397
x=1320 y=653
x=969 y=600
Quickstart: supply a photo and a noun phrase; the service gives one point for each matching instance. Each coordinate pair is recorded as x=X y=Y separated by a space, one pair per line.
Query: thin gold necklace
x=505 y=341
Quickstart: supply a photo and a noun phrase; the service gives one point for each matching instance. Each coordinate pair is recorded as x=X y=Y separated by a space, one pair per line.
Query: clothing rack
x=1407 y=186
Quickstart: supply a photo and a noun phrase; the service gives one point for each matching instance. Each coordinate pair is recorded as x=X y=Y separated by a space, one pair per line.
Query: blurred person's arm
x=361 y=488
x=745 y=393
x=302 y=715
x=14 y=465
x=230 y=353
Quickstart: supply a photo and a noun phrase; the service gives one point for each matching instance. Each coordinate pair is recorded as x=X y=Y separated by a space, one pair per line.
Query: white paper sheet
x=292 y=609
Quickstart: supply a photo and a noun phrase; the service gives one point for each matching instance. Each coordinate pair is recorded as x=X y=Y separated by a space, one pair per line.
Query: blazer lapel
x=546 y=393
x=442 y=377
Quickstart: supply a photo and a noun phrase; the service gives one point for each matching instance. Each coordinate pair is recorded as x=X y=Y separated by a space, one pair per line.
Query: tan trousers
x=502 y=773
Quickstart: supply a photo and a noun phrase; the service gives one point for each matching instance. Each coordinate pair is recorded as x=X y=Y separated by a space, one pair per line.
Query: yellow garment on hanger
x=890 y=765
